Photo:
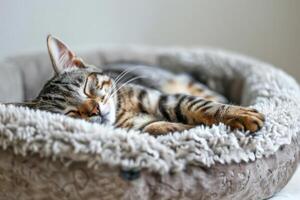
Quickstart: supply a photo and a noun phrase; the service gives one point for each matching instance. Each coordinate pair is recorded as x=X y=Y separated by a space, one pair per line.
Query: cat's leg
x=184 y=84
x=164 y=127
x=150 y=124
x=186 y=109
x=193 y=110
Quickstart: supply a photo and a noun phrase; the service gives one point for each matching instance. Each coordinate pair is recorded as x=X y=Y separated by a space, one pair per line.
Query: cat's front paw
x=164 y=127
x=245 y=119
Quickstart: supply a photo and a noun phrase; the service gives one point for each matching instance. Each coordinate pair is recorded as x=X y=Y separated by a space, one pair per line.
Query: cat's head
x=77 y=89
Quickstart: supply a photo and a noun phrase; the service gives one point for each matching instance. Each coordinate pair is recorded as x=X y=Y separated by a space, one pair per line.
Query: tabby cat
x=153 y=104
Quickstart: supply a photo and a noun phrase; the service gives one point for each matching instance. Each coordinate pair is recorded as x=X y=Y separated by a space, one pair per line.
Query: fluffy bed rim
x=262 y=86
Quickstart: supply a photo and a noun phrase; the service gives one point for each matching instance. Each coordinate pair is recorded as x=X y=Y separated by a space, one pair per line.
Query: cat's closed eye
x=88 y=109
x=73 y=113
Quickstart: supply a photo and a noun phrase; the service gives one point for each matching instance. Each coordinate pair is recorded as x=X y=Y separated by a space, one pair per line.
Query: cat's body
x=154 y=77
x=135 y=97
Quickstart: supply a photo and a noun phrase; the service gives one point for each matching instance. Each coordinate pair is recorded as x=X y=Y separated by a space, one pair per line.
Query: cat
x=146 y=102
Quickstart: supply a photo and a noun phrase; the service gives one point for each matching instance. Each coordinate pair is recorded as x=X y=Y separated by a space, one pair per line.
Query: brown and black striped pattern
x=162 y=103
x=162 y=113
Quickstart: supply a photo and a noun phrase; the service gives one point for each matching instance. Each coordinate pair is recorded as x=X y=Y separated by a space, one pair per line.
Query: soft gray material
x=195 y=164
x=11 y=83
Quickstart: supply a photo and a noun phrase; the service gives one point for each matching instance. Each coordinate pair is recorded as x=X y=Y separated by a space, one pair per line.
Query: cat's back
x=148 y=76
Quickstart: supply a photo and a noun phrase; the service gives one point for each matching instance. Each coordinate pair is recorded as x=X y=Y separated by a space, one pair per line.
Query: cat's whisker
x=120 y=76
x=110 y=95
x=114 y=88
x=124 y=73
x=126 y=83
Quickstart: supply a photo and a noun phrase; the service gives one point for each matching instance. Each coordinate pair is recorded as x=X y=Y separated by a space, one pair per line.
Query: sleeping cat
x=146 y=102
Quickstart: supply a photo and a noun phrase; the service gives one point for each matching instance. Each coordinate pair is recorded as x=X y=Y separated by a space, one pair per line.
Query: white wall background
x=268 y=29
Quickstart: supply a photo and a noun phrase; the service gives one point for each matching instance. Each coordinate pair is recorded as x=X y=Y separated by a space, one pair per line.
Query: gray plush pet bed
x=49 y=156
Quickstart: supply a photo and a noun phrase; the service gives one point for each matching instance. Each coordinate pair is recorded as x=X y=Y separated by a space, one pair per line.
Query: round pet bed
x=50 y=156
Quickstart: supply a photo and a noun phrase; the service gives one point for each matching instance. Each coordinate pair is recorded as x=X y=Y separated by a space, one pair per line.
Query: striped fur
x=156 y=105
x=186 y=110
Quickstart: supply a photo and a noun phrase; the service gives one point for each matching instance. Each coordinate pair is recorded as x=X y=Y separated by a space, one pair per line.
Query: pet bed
x=50 y=156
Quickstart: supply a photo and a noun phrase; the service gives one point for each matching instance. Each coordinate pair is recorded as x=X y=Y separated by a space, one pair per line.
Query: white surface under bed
x=292 y=190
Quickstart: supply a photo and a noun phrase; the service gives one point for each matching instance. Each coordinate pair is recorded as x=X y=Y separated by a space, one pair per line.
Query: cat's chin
x=97 y=120
x=101 y=119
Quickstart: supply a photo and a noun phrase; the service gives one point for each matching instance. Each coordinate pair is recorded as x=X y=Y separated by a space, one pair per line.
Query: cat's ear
x=61 y=55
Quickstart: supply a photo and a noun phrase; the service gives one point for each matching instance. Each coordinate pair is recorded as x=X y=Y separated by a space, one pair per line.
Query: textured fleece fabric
x=202 y=149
